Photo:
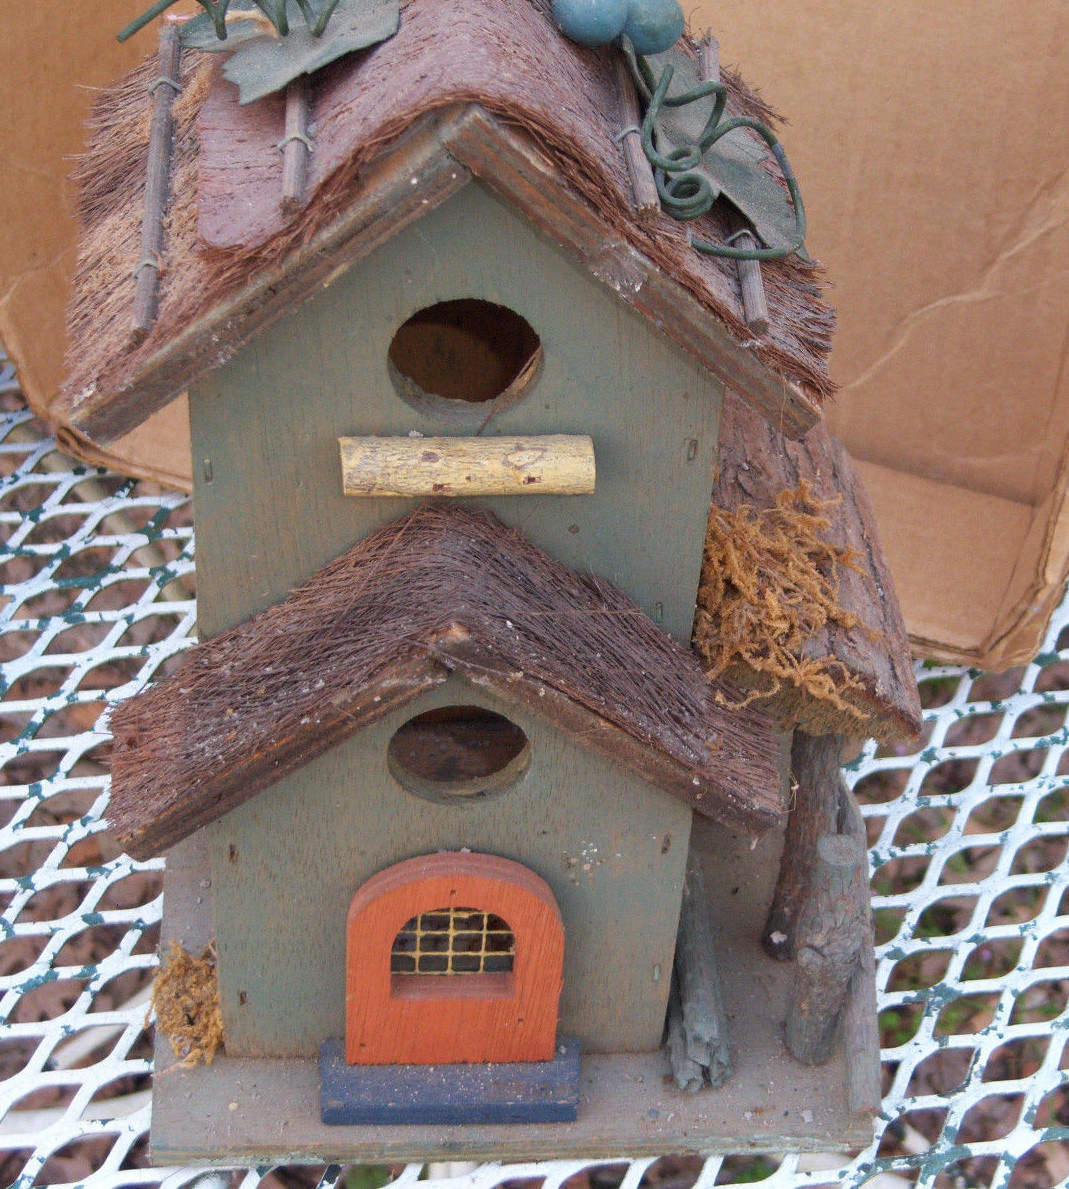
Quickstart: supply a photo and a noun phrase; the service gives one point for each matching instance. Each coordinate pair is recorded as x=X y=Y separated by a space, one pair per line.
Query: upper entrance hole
x=458 y=753
x=461 y=359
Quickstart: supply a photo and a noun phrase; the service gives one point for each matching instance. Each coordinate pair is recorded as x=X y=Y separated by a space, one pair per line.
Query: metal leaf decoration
x=263 y=62
x=734 y=166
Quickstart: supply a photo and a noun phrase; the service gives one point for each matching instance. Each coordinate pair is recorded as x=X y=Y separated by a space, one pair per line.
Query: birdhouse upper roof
x=444 y=589
x=484 y=89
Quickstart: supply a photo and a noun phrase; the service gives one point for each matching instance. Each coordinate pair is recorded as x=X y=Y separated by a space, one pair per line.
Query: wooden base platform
x=268 y=1110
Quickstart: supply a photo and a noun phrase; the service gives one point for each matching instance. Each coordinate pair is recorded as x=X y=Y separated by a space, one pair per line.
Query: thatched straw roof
x=445 y=589
x=472 y=88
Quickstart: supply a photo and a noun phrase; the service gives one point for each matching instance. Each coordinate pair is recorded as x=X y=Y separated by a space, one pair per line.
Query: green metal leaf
x=737 y=165
x=199 y=32
x=262 y=64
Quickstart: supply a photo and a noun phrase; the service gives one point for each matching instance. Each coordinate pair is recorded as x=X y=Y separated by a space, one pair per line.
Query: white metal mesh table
x=969 y=879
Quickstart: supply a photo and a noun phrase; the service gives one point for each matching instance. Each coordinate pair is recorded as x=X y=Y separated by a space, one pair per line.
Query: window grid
x=452 y=941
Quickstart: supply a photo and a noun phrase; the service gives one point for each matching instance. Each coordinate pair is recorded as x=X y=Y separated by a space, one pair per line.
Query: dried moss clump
x=770 y=584
x=185 y=998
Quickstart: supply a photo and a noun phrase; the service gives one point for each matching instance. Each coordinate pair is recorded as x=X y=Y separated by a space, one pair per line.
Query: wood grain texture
x=157 y=179
x=443 y=1019
x=546 y=464
x=287 y=865
x=816 y=780
x=756 y=464
x=274 y=511
x=832 y=931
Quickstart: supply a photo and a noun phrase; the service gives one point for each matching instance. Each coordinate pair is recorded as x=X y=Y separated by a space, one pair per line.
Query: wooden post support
x=643 y=186
x=751 y=282
x=814 y=811
x=831 y=931
x=704 y=1019
x=688 y=1074
x=548 y=464
x=157 y=179
x=296 y=145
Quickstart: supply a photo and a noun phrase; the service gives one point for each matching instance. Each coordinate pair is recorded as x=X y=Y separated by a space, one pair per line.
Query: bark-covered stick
x=751 y=282
x=704 y=1018
x=296 y=146
x=688 y=1074
x=815 y=779
x=157 y=179
x=647 y=201
x=831 y=931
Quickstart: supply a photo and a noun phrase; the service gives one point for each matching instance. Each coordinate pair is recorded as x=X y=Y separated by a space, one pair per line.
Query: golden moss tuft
x=185 y=998
x=770 y=583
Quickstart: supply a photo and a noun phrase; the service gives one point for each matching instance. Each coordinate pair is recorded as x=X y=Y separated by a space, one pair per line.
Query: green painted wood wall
x=265 y=425
x=286 y=865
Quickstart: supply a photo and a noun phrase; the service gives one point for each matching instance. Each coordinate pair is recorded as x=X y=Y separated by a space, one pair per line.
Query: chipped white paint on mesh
x=100 y=1044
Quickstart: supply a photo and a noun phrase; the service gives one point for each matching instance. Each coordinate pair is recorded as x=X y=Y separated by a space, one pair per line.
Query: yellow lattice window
x=453 y=941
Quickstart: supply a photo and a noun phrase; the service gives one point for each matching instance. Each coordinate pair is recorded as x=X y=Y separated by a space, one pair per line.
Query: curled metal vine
x=685 y=192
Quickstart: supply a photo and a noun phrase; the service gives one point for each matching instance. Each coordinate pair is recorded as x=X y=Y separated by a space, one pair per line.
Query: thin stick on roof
x=157 y=181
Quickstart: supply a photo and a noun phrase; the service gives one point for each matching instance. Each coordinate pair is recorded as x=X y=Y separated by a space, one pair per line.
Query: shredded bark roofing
x=443 y=589
x=863 y=652
x=226 y=233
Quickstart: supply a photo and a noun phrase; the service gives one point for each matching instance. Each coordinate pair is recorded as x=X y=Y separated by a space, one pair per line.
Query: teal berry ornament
x=591 y=22
x=654 y=25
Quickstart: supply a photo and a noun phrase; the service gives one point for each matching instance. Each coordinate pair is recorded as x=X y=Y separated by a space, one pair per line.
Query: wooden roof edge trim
x=510 y=163
x=386 y=203
x=742 y=803
x=876 y=716
x=443 y=149
x=146 y=826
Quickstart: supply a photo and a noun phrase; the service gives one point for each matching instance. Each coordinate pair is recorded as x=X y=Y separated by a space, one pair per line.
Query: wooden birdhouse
x=490 y=857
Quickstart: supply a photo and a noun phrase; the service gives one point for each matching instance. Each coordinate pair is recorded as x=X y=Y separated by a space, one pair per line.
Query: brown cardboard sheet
x=931 y=153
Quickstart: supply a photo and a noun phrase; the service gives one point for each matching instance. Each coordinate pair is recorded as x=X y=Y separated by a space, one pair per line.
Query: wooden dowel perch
x=816 y=776
x=296 y=144
x=643 y=186
x=831 y=931
x=551 y=464
x=702 y=1038
x=751 y=282
x=157 y=180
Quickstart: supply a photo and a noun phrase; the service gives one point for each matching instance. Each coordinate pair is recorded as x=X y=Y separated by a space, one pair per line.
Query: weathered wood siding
x=286 y=865
x=265 y=425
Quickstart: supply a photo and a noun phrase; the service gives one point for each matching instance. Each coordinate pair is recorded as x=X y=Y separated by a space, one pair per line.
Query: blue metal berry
x=590 y=22
x=654 y=25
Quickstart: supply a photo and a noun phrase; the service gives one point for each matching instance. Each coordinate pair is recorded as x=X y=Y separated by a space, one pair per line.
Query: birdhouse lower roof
x=444 y=589
x=473 y=88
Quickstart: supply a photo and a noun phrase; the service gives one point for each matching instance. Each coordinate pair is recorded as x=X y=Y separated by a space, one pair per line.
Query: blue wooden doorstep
x=520 y=1092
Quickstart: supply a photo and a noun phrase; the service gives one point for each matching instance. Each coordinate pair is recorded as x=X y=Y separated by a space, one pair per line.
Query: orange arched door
x=450 y=958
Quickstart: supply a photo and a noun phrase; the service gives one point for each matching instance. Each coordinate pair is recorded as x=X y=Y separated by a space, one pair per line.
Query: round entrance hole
x=463 y=359
x=458 y=753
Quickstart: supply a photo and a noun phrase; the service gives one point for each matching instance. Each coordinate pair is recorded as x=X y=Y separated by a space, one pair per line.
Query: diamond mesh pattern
x=969 y=882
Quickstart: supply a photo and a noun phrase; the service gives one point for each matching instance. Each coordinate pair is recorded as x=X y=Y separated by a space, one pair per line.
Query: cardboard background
x=933 y=163
x=931 y=151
